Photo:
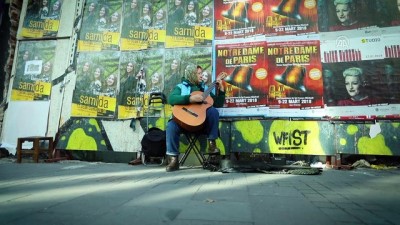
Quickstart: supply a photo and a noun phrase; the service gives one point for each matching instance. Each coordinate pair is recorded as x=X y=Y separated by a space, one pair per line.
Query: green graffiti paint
x=79 y=140
x=343 y=141
x=352 y=129
x=373 y=146
x=251 y=131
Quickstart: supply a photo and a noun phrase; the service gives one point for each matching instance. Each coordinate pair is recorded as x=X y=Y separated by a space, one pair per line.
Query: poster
x=357 y=14
x=352 y=46
x=238 y=18
x=157 y=31
x=204 y=27
x=143 y=24
x=42 y=19
x=182 y=17
x=363 y=83
x=33 y=71
x=294 y=74
x=284 y=17
x=101 y=26
x=132 y=85
x=246 y=66
x=96 y=84
x=142 y=74
x=176 y=60
x=391 y=41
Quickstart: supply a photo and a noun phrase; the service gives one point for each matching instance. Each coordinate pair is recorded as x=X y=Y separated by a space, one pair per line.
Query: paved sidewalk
x=74 y=192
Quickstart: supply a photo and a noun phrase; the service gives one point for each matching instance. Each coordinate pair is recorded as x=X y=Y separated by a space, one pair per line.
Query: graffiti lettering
x=296 y=137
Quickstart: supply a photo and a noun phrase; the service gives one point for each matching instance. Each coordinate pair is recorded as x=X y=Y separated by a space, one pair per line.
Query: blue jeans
x=174 y=131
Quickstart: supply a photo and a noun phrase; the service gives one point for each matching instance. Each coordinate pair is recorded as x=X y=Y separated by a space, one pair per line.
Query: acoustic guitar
x=191 y=117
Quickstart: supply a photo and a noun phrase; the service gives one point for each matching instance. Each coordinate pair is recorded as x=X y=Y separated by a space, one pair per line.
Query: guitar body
x=191 y=117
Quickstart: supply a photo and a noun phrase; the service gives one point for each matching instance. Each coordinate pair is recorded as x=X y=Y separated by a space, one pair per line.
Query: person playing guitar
x=193 y=110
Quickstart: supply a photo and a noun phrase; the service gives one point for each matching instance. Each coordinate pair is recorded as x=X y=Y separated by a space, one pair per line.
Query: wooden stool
x=36 y=147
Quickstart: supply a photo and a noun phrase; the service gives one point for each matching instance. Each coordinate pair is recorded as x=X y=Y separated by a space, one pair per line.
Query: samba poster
x=42 y=19
x=350 y=46
x=101 y=24
x=176 y=61
x=238 y=18
x=365 y=88
x=33 y=71
x=246 y=64
x=295 y=76
x=285 y=17
x=96 y=84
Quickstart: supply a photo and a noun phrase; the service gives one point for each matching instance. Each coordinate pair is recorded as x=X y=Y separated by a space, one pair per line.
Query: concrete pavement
x=75 y=192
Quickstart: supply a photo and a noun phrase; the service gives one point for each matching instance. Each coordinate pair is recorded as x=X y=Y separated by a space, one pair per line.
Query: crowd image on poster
x=246 y=64
x=34 y=71
x=42 y=18
x=364 y=83
x=96 y=87
x=238 y=19
x=295 y=74
x=284 y=17
x=101 y=24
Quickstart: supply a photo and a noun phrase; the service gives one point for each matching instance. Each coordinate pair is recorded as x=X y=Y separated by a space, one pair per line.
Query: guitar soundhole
x=190 y=112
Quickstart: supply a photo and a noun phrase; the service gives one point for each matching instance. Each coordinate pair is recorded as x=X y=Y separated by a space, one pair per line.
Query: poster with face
x=95 y=93
x=157 y=30
x=176 y=61
x=42 y=19
x=100 y=29
x=33 y=71
x=340 y=15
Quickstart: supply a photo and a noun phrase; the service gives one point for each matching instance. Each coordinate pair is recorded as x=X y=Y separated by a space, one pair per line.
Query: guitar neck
x=209 y=89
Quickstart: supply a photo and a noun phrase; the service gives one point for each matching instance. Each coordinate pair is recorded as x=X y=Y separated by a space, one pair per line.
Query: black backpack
x=154 y=143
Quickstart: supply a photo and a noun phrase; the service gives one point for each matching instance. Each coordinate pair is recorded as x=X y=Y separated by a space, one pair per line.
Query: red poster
x=246 y=65
x=283 y=17
x=295 y=77
x=238 y=18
